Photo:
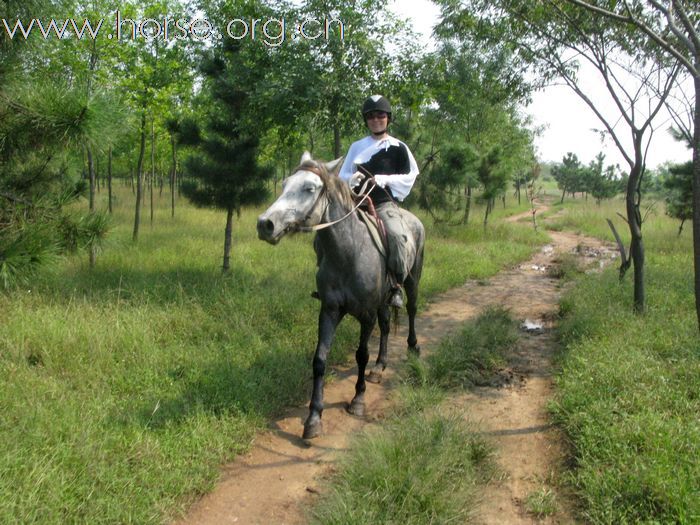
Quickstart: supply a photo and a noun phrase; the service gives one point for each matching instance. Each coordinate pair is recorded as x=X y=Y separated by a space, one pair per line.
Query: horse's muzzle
x=266 y=230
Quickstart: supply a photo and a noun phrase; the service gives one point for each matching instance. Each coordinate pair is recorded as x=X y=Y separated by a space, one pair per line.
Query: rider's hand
x=357 y=179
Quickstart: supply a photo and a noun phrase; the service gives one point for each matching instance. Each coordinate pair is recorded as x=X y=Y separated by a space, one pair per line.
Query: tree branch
x=646 y=29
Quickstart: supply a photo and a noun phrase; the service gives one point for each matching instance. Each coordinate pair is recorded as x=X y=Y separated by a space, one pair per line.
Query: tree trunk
x=173 y=176
x=467 y=205
x=153 y=164
x=488 y=209
x=109 y=180
x=634 y=220
x=336 y=141
x=139 y=177
x=91 y=177
x=227 y=240
x=696 y=193
x=562 y=196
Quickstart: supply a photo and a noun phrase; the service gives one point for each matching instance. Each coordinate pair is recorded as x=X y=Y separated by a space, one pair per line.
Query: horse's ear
x=334 y=165
x=306 y=156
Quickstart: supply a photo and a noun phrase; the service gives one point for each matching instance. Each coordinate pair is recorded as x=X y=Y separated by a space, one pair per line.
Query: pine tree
x=224 y=172
x=678 y=186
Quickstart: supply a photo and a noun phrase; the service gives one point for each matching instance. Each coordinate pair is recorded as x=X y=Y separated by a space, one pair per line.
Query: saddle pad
x=371 y=223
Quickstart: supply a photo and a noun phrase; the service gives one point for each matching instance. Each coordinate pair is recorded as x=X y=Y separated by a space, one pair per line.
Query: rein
x=325 y=225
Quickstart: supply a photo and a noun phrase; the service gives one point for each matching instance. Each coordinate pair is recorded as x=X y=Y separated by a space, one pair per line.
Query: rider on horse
x=390 y=164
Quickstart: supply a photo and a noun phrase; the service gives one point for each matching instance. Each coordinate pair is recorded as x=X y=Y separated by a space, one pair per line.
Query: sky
x=568 y=122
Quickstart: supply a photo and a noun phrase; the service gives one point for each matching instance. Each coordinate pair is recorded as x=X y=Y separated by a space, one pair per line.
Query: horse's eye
x=311 y=189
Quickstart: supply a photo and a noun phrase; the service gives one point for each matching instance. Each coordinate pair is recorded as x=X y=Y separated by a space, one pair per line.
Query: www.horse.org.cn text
x=269 y=31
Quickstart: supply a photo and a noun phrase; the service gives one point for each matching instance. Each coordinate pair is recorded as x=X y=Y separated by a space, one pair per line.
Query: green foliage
x=443 y=189
x=602 y=183
x=568 y=174
x=678 y=189
x=223 y=171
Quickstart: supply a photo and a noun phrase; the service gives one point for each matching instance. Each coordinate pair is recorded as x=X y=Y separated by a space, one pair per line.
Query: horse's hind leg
x=327 y=323
x=411 y=287
x=357 y=406
x=375 y=376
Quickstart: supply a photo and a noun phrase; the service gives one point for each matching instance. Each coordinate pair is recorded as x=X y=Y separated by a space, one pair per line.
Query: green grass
x=541 y=502
x=125 y=387
x=472 y=356
x=421 y=467
x=426 y=464
x=629 y=387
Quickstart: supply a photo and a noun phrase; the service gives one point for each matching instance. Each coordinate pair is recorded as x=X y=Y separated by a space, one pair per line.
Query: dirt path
x=279 y=478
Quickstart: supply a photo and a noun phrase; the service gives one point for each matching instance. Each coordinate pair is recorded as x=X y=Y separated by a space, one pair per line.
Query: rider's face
x=377 y=121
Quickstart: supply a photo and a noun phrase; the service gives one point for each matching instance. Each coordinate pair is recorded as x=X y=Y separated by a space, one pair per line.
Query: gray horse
x=351 y=277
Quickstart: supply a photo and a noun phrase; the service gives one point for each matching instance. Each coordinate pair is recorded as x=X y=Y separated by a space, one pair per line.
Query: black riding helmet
x=376 y=103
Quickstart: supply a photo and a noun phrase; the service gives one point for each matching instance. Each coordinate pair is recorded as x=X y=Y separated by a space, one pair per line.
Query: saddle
x=375 y=228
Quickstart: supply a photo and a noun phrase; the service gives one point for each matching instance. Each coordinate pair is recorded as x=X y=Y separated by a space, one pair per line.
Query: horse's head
x=300 y=204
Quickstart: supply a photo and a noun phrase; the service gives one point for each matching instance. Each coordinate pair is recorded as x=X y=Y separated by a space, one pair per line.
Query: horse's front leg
x=357 y=406
x=327 y=323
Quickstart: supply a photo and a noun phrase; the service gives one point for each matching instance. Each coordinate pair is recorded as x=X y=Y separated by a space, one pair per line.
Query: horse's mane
x=338 y=190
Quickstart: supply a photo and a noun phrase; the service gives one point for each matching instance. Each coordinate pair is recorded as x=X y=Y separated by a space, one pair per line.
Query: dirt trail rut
x=281 y=476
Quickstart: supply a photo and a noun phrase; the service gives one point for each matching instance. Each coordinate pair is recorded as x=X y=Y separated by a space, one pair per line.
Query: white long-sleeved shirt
x=388 y=159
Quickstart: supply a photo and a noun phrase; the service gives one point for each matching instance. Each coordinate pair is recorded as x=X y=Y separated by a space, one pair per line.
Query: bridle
x=364 y=189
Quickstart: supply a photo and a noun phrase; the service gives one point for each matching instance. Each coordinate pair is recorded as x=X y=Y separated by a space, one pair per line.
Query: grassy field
x=124 y=387
x=629 y=389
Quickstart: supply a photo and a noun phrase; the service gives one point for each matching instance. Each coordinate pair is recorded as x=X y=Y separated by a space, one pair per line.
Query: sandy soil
x=279 y=478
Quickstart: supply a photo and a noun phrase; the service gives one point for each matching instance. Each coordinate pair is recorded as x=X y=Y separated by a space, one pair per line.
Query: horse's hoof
x=312 y=430
x=374 y=377
x=356 y=408
x=414 y=350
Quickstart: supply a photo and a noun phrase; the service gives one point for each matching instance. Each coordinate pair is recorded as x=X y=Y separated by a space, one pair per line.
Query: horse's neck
x=337 y=240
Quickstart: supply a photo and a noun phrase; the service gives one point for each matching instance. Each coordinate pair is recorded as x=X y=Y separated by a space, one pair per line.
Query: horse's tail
x=395 y=319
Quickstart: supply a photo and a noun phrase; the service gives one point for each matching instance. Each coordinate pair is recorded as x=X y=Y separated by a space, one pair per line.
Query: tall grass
x=124 y=387
x=628 y=391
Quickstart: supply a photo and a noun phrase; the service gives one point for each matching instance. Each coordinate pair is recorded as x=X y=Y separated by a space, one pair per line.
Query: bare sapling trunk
x=336 y=141
x=467 y=204
x=91 y=175
x=173 y=176
x=227 y=240
x=634 y=220
x=153 y=164
x=139 y=177
x=109 y=180
x=696 y=193
x=91 y=178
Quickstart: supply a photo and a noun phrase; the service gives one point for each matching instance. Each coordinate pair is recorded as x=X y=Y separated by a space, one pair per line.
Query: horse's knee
x=319 y=366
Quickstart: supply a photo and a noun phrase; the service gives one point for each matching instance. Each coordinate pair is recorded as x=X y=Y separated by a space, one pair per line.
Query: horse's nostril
x=265 y=227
